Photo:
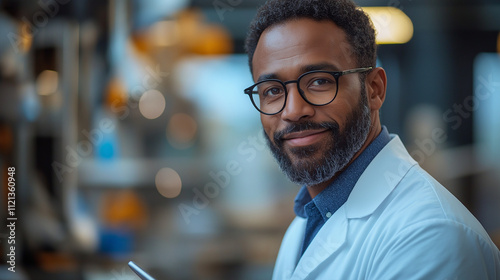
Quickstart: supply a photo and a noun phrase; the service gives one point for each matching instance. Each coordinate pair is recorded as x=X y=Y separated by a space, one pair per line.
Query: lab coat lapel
x=289 y=253
x=328 y=240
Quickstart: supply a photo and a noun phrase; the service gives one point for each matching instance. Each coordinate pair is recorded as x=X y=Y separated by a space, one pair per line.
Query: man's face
x=312 y=143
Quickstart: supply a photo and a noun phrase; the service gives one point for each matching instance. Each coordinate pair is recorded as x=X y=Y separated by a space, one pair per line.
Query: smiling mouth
x=304 y=138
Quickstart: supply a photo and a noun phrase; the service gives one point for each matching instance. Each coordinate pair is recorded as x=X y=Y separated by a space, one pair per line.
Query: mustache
x=305 y=125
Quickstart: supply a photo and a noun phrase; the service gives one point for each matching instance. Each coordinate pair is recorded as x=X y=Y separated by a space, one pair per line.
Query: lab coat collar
x=379 y=179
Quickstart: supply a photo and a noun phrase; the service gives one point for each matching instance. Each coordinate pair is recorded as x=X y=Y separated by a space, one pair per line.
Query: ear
x=376 y=85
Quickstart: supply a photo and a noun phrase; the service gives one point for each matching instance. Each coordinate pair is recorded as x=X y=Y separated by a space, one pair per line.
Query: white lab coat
x=398 y=223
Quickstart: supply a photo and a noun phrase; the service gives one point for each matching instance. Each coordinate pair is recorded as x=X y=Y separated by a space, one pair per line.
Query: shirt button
x=328 y=214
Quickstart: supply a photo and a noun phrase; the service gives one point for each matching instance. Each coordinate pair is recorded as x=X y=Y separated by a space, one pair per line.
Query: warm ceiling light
x=391 y=24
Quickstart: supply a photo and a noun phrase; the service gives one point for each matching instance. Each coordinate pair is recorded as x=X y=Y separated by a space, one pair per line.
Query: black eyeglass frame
x=335 y=74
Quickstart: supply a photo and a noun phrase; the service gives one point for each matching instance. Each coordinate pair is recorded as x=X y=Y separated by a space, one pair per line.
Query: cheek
x=268 y=124
x=342 y=107
x=336 y=112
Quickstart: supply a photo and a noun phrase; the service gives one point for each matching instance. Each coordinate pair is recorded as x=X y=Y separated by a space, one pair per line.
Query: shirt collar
x=336 y=194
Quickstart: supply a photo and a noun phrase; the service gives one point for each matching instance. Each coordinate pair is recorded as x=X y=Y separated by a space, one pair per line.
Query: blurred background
x=131 y=138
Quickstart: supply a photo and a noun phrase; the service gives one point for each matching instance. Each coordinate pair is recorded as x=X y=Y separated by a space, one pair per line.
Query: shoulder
x=418 y=198
x=437 y=249
x=422 y=198
x=428 y=232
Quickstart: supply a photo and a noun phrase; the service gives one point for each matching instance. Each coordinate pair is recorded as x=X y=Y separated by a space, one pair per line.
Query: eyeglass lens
x=318 y=88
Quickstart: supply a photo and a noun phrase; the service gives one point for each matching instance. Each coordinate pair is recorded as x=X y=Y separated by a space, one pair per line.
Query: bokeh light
x=168 y=182
x=47 y=82
x=152 y=104
x=181 y=130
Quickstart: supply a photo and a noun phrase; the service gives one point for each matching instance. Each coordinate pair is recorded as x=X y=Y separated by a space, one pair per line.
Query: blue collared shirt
x=318 y=210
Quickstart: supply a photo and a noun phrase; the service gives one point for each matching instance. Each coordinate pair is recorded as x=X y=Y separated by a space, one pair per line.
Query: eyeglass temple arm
x=356 y=70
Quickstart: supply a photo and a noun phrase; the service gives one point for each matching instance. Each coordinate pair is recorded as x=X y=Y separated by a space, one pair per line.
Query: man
x=366 y=209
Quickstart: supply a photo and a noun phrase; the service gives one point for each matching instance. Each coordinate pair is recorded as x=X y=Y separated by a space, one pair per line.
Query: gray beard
x=340 y=149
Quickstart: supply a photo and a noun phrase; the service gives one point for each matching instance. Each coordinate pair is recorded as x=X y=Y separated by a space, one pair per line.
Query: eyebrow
x=306 y=68
x=267 y=77
x=320 y=66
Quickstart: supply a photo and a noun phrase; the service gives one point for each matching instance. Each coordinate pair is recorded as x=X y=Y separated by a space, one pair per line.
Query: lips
x=304 y=138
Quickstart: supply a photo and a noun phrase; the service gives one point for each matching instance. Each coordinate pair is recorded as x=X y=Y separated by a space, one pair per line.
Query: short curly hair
x=344 y=13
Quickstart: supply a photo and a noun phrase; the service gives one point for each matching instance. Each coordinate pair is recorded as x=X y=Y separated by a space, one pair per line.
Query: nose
x=296 y=108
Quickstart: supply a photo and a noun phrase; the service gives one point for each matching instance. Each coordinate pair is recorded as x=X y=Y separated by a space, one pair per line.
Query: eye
x=321 y=82
x=272 y=92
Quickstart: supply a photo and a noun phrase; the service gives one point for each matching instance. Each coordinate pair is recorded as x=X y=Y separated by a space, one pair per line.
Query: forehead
x=290 y=46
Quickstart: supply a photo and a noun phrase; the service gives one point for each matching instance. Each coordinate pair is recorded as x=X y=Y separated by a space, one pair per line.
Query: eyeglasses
x=317 y=88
